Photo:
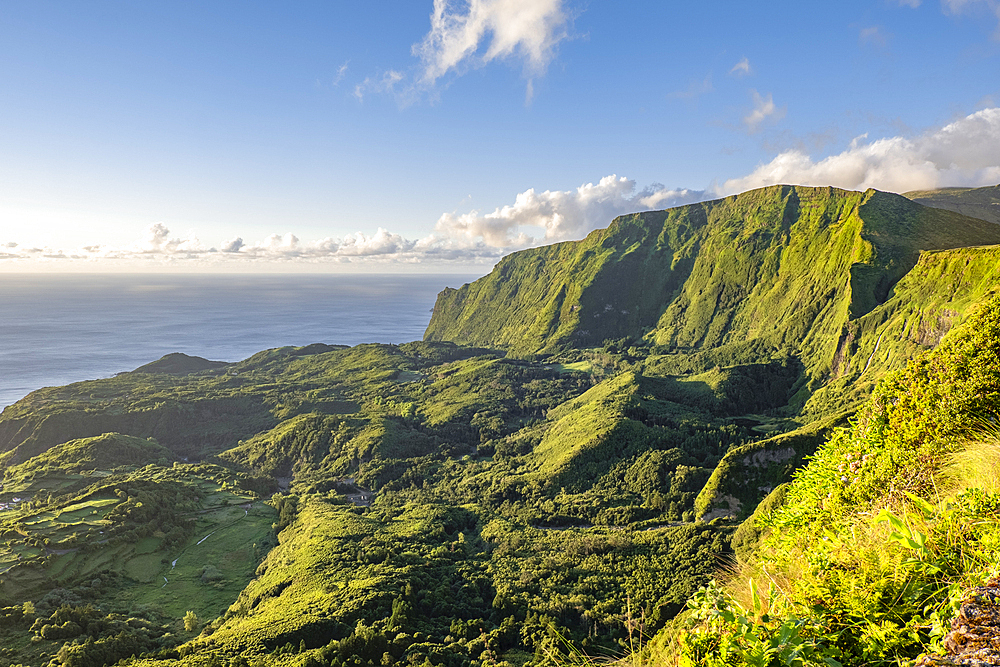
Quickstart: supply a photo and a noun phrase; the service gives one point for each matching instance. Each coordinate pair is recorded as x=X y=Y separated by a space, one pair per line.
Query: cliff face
x=782 y=268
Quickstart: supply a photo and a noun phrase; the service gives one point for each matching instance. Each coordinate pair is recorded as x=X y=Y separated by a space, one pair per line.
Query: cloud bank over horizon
x=965 y=152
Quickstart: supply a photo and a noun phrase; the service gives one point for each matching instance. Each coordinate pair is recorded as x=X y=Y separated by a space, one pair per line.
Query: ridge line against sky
x=478 y=95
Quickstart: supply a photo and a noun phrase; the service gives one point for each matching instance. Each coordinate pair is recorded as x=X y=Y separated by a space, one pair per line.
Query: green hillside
x=783 y=267
x=924 y=305
x=102 y=452
x=981 y=203
x=742 y=383
x=868 y=555
x=178 y=362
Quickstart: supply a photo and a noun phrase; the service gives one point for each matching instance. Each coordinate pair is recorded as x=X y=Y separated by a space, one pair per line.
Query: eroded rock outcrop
x=974 y=639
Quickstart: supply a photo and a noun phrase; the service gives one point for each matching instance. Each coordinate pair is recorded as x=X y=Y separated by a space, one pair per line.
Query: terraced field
x=77 y=541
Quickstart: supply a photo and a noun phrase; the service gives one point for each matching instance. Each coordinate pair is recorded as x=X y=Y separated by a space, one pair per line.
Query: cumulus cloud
x=158 y=241
x=763 y=109
x=233 y=245
x=558 y=215
x=472 y=33
x=963 y=153
x=532 y=219
x=742 y=68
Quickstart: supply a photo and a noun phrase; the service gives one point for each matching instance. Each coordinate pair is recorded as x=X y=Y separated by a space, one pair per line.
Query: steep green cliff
x=780 y=269
x=869 y=554
x=924 y=305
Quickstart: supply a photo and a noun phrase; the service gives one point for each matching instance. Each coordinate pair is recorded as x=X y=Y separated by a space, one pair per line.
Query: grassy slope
x=981 y=203
x=101 y=452
x=202 y=413
x=614 y=422
x=926 y=303
x=748 y=473
x=846 y=580
x=178 y=362
x=783 y=268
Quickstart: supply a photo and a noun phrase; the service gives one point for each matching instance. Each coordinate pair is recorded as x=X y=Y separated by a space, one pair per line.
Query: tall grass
x=976 y=465
x=874 y=586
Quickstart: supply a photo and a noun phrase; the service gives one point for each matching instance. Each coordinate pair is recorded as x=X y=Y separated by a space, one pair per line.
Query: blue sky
x=438 y=136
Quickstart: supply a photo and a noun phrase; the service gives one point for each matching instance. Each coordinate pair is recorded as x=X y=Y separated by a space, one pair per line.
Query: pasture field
x=62 y=545
x=209 y=571
x=585 y=366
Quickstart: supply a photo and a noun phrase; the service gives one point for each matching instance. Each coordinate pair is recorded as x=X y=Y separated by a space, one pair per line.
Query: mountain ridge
x=677 y=277
x=981 y=203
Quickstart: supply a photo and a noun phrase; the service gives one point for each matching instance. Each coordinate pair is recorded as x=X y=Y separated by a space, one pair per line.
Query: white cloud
x=341 y=73
x=386 y=83
x=695 y=89
x=959 y=6
x=909 y=3
x=158 y=241
x=360 y=245
x=477 y=32
x=963 y=153
x=558 y=215
x=874 y=36
x=763 y=108
x=534 y=218
x=232 y=246
x=956 y=6
x=742 y=68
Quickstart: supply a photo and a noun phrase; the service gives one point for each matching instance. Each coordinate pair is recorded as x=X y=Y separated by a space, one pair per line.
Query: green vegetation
x=876 y=540
x=786 y=266
x=742 y=383
x=178 y=362
x=983 y=203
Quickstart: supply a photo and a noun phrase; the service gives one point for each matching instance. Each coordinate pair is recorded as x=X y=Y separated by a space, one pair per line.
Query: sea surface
x=57 y=329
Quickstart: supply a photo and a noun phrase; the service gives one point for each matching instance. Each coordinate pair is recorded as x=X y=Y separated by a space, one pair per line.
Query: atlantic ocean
x=61 y=328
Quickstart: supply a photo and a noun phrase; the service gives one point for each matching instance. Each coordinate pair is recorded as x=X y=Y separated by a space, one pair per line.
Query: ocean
x=62 y=328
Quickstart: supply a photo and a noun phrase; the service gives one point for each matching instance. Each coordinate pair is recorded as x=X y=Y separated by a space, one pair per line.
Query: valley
x=584 y=443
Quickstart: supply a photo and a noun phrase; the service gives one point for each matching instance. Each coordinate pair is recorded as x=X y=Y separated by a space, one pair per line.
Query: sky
x=440 y=135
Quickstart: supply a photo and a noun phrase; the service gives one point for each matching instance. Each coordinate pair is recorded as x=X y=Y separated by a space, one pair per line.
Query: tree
x=190 y=621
